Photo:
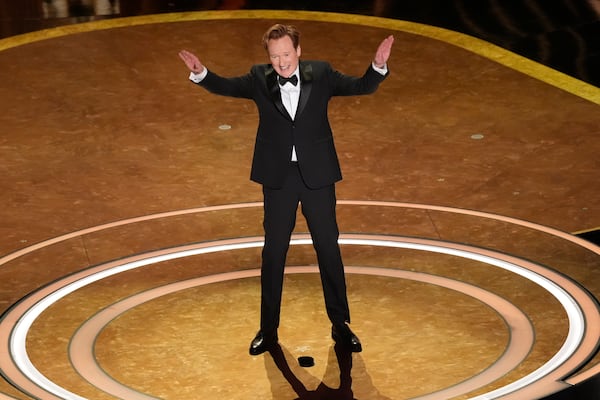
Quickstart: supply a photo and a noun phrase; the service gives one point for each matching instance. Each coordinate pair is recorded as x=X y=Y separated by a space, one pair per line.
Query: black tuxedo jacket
x=310 y=131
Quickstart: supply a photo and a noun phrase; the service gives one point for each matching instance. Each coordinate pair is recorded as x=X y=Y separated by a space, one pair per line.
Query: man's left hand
x=383 y=52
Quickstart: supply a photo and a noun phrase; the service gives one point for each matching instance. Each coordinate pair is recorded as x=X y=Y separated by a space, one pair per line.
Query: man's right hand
x=191 y=61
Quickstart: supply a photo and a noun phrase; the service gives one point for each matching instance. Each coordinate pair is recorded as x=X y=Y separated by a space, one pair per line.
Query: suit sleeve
x=345 y=85
x=240 y=86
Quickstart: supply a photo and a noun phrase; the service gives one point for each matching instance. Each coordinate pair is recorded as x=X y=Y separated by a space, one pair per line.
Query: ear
x=298 y=50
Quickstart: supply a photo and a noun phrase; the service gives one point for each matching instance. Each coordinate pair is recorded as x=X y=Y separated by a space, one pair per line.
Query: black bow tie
x=292 y=79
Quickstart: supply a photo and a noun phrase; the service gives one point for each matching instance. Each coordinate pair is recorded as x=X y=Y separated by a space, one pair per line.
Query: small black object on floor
x=306 y=361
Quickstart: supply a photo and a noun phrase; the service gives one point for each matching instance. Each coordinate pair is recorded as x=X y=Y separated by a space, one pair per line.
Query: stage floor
x=131 y=234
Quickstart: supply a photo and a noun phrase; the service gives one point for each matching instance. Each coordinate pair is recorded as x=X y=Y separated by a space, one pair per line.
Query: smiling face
x=283 y=55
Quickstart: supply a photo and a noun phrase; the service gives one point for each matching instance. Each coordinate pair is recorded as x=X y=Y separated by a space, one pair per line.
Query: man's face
x=283 y=56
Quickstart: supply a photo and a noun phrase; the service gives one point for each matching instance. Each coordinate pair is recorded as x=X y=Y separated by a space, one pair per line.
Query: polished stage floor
x=130 y=233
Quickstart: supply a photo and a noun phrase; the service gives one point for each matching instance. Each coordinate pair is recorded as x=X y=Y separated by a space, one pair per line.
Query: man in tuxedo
x=296 y=163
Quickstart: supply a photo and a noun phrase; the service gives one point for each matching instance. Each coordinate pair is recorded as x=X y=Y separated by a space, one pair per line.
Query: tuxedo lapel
x=273 y=86
x=306 y=82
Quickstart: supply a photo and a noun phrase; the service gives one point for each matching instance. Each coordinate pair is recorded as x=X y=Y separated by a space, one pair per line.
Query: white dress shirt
x=290 y=95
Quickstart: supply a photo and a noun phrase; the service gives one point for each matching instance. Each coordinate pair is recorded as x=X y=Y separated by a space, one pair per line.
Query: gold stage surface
x=130 y=233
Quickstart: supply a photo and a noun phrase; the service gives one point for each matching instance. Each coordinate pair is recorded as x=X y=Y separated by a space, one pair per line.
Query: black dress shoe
x=262 y=342
x=344 y=336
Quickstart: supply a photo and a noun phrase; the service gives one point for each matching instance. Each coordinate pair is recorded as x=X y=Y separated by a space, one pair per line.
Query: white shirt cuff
x=197 y=78
x=383 y=70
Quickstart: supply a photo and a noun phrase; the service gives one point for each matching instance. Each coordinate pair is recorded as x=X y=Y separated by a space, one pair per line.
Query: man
x=295 y=162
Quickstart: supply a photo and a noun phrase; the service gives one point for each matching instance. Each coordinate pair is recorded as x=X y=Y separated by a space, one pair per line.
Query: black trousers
x=318 y=207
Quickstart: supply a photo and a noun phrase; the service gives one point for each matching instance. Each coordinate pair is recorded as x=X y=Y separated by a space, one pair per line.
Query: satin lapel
x=306 y=82
x=273 y=86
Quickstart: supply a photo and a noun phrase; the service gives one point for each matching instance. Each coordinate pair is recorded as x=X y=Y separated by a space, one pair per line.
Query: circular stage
x=132 y=234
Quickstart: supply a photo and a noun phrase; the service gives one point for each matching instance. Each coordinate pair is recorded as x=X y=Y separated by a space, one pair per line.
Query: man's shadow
x=339 y=361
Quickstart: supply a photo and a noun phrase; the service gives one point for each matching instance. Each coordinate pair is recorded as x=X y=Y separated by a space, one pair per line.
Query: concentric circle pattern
x=450 y=302
x=580 y=308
